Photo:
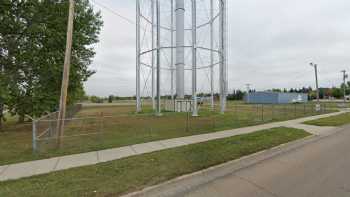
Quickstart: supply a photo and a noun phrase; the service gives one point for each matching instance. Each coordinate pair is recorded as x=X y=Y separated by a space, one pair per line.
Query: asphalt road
x=318 y=169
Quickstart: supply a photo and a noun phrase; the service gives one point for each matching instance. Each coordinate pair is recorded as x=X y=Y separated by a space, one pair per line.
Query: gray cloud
x=271 y=43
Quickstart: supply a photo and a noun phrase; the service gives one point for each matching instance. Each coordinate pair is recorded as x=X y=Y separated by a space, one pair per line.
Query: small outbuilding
x=275 y=98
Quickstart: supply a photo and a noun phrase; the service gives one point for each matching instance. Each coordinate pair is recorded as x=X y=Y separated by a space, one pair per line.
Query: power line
x=114 y=12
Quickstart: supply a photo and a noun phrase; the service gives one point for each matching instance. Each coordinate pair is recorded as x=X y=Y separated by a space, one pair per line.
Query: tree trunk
x=21 y=119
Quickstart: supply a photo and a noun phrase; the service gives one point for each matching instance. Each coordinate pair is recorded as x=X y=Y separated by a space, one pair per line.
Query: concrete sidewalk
x=27 y=169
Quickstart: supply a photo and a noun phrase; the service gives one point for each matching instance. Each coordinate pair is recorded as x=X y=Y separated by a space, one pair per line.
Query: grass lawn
x=339 y=120
x=123 y=127
x=336 y=104
x=137 y=172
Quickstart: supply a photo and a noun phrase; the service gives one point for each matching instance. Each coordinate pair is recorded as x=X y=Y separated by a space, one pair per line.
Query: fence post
x=273 y=111
x=235 y=110
x=187 y=121
x=312 y=109
x=35 y=148
x=285 y=111
x=213 y=119
x=262 y=112
x=101 y=122
x=295 y=110
x=51 y=119
x=324 y=108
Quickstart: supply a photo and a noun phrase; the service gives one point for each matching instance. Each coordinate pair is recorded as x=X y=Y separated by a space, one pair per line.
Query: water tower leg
x=172 y=49
x=138 y=63
x=223 y=58
x=212 y=54
x=158 y=113
x=153 y=61
x=180 y=51
x=194 y=58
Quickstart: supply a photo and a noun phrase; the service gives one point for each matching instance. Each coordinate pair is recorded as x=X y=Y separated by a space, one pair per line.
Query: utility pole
x=2 y=68
x=66 y=69
x=317 y=89
x=345 y=76
x=248 y=91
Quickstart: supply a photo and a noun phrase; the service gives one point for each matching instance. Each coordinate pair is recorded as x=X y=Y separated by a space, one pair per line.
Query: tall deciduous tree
x=32 y=41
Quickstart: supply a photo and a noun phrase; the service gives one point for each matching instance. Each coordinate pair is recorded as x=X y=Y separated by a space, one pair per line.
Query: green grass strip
x=137 y=172
x=339 y=120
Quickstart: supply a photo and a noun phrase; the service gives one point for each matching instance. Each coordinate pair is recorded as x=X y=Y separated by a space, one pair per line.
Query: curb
x=181 y=185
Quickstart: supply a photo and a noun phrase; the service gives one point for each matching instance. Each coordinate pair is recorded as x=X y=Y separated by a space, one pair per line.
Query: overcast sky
x=271 y=43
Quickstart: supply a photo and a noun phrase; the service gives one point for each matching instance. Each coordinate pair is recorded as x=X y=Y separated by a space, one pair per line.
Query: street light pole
x=345 y=76
x=317 y=88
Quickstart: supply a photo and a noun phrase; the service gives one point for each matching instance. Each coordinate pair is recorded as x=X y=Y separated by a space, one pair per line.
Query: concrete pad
x=147 y=147
x=28 y=169
x=220 y=135
x=77 y=160
x=316 y=130
x=3 y=168
x=172 y=143
x=196 y=139
x=301 y=120
x=115 y=153
x=247 y=130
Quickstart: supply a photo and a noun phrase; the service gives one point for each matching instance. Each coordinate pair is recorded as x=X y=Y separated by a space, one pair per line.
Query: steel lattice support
x=158 y=59
x=223 y=61
x=138 y=62
x=194 y=57
x=152 y=61
x=172 y=50
x=170 y=36
x=212 y=101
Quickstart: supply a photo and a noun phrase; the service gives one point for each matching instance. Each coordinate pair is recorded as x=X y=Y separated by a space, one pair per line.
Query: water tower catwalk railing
x=161 y=48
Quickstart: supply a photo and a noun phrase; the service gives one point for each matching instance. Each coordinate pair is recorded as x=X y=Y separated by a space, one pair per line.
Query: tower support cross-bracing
x=181 y=54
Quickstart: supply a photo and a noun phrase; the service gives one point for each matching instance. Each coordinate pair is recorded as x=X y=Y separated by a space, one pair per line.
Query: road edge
x=182 y=184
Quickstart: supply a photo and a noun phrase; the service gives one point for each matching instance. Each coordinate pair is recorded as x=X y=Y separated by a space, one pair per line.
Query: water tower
x=181 y=46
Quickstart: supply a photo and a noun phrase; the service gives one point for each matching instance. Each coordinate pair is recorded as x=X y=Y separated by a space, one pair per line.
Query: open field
x=339 y=120
x=134 y=173
x=103 y=127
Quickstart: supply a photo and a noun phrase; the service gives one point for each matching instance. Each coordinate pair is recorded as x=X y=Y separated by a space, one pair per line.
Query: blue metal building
x=275 y=98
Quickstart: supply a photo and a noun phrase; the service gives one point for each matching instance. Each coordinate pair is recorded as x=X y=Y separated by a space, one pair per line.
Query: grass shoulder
x=339 y=120
x=137 y=172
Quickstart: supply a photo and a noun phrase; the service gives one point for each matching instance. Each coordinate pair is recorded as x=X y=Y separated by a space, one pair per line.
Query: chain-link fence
x=103 y=128
x=45 y=128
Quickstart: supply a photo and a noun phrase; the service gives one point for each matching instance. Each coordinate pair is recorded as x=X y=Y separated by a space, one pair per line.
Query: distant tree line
x=238 y=95
x=109 y=99
x=32 y=46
